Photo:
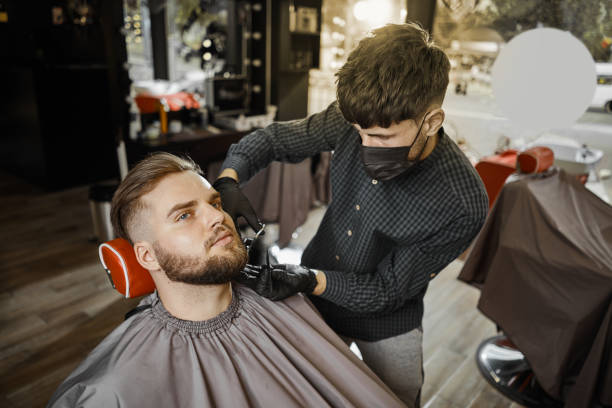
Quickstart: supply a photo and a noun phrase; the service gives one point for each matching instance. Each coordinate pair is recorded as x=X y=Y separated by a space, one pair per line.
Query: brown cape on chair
x=543 y=262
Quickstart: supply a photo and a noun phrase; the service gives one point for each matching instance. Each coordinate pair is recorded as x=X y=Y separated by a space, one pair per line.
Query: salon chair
x=543 y=264
x=124 y=272
x=507 y=370
x=495 y=170
x=499 y=361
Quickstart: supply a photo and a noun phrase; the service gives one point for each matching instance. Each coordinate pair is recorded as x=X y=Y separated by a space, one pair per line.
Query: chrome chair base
x=507 y=370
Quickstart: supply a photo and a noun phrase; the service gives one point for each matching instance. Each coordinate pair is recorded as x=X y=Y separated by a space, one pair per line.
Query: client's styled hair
x=392 y=75
x=141 y=180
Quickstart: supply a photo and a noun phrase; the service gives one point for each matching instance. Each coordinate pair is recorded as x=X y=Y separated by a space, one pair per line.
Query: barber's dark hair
x=141 y=180
x=392 y=75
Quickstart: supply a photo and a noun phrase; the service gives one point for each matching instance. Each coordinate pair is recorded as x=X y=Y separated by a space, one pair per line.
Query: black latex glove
x=278 y=282
x=235 y=203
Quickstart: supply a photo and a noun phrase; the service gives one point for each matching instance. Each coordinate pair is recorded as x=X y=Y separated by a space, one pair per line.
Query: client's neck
x=194 y=302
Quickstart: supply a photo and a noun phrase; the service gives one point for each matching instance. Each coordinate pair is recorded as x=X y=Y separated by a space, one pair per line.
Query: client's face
x=195 y=241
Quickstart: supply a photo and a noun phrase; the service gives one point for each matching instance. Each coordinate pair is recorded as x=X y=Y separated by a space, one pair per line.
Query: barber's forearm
x=289 y=142
x=362 y=293
x=247 y=157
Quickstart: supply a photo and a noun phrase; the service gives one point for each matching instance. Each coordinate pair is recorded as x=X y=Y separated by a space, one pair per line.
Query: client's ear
x=146 y=256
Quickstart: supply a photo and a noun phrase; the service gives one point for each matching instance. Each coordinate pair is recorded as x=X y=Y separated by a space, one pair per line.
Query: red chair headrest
x=535 y=160
x=127 y=276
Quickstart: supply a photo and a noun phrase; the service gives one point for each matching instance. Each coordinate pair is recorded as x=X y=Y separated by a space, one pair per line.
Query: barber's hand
x=297 y=277
x=235 y=203
x=278 y=282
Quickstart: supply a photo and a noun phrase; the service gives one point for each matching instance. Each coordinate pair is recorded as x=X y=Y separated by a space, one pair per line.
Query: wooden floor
x=56 y=304
x=453 y=328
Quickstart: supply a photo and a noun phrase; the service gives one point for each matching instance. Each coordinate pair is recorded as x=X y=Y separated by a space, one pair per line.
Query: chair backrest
x=127 y=276
x=494 y=170
x=535 y=160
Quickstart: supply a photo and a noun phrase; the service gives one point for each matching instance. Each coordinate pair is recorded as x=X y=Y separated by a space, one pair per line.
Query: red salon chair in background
x=494 y=170
x=498 y=360
x=543 y=264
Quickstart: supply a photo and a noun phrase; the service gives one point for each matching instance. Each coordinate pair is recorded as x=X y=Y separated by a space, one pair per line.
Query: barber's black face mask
x=384 y=163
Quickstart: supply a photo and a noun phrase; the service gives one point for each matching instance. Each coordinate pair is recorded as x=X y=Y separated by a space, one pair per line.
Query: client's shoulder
x=249 y=298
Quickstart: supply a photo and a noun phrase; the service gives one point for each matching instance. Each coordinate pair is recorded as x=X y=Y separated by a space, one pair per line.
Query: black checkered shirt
x=380 y=242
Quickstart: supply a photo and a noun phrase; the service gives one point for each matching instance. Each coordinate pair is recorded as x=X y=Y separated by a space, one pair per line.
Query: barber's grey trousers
x=398 y=362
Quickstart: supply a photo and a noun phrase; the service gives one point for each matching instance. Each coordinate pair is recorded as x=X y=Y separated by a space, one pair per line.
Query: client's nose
x=213 y=216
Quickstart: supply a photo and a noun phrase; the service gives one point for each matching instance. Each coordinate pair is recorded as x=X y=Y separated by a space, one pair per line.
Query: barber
x=405 y=200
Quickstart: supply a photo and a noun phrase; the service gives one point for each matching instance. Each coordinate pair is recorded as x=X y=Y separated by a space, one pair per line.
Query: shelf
x=296 y=45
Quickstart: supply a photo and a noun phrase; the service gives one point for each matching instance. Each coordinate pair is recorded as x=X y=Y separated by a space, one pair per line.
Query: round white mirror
x=544 y=78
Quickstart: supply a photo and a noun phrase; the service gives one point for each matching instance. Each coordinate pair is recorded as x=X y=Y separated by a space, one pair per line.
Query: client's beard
x=198 y=270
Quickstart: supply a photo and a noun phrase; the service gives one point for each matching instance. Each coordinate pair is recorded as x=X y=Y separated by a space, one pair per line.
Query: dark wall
x=293 y=54
x=63 y=90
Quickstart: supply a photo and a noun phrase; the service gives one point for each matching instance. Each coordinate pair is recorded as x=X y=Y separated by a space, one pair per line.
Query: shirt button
x=433 y=275
x=349 y=232
x=337 y=257
x=357 y=207
x=374 y=181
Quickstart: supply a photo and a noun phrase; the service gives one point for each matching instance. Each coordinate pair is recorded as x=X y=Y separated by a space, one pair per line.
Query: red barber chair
x=543 y=264
x=507 y=370
x=124 y=272
x=498 y=360
x=494 y=170
x=126 y=275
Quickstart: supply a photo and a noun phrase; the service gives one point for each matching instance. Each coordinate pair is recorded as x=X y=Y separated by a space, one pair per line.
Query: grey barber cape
x=257 y=353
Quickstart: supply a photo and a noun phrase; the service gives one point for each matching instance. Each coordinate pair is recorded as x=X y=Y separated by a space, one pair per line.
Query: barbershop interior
x=403 y=203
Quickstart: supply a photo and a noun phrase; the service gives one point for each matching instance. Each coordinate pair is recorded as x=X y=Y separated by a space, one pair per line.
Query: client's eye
x=183 y=216
x=216 y=204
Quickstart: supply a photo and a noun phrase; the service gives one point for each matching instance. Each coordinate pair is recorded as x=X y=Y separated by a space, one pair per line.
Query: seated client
x=202 y=340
